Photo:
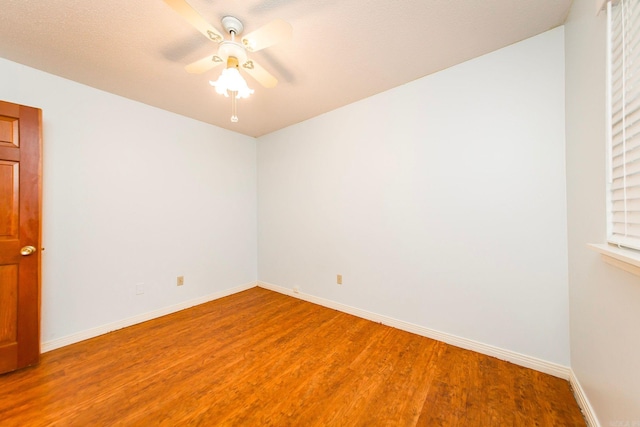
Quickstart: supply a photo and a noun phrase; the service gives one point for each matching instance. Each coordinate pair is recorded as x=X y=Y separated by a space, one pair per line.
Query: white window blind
x=624 y=114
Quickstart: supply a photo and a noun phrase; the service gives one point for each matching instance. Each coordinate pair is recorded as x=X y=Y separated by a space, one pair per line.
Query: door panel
x=9 y=134
x=20 y=218
x=9 y=197
x=8 y=316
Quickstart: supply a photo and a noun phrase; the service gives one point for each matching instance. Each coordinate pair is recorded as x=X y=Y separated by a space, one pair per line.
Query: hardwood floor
x=261 y=358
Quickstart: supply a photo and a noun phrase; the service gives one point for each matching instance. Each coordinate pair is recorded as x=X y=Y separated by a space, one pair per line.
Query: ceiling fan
x=233 y=53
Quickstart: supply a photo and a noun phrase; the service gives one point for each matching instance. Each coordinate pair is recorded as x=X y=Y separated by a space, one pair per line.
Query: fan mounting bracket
x=231 y=23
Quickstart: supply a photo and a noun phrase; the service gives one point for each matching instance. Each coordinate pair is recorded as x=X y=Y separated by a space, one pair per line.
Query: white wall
x=441 y=202
x=134 y=194
x=604 y=301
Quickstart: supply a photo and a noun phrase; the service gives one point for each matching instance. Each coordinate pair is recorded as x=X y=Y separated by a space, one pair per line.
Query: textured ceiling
x=341 y=51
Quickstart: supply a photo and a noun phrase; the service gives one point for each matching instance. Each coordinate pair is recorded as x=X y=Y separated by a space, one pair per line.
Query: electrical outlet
x=140 y=289
x=339 y=279
x=180 y=280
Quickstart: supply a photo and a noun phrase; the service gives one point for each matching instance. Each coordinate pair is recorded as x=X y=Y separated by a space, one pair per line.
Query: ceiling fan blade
x=256 y=71
x=267 y=35
x=195 y=19
x=204 y=64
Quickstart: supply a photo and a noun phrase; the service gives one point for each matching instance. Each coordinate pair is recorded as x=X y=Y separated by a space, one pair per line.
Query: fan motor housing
x=228 y=48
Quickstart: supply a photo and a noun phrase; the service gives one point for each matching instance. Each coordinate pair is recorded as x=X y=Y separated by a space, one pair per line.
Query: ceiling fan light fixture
x=231 y=83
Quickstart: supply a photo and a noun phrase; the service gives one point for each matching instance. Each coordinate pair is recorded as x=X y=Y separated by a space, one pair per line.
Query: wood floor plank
x=262 y=358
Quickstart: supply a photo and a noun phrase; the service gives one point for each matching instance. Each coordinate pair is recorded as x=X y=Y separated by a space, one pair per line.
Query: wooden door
x=20 y=217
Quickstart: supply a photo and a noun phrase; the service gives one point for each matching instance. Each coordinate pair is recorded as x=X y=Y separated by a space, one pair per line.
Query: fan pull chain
x=234 y=106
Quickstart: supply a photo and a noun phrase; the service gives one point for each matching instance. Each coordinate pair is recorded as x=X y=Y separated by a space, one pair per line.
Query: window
x=624 y=126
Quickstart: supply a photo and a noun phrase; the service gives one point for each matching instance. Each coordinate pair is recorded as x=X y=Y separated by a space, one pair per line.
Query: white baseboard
x=511 y=356
x=583 y=401
x=100 y=330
